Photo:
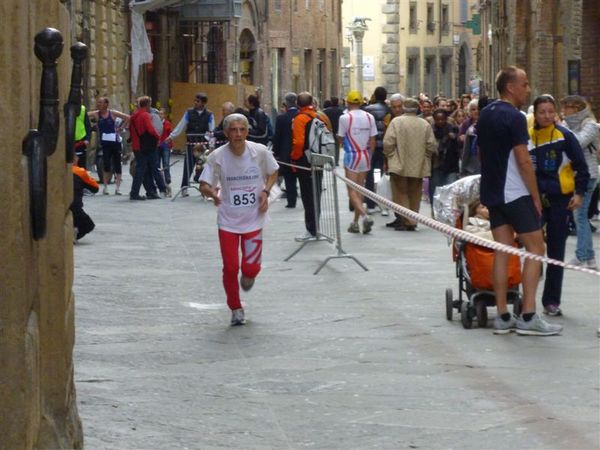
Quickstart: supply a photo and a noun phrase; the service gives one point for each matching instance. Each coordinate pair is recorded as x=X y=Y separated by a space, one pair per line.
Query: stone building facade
x=555 y=41
x=38 y=405
x=416 y=46
x=273 y=45
x=103 y=25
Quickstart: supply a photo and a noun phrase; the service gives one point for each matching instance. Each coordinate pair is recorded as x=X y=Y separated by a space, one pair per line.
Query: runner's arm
x=208 y=191
x=264 y=195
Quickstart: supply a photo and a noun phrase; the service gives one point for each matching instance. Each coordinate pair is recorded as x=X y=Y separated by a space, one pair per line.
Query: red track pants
x=251 y=245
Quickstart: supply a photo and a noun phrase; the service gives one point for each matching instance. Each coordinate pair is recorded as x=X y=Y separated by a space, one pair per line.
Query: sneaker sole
x=537 y=333
x=507 y=331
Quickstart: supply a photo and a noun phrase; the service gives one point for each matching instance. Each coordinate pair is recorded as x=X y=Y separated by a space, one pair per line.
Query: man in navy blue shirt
x=509 y=190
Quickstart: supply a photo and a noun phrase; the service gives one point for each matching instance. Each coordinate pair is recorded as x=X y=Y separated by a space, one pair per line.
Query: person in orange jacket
x=305 y=114
x=82 y=223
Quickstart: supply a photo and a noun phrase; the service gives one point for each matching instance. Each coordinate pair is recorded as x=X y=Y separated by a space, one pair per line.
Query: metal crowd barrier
x=327 y=210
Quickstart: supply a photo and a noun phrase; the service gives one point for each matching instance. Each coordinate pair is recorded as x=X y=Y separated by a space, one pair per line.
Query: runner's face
x=545 y=114
x=237 y=132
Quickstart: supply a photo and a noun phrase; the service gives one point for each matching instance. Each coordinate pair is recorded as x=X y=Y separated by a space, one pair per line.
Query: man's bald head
x=305 y=99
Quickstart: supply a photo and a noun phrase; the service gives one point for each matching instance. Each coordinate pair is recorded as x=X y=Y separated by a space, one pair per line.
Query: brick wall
x=590 y=61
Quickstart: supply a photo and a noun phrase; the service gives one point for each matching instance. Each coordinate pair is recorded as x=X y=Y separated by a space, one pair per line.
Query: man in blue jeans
x=509 y=190
x=144 y=140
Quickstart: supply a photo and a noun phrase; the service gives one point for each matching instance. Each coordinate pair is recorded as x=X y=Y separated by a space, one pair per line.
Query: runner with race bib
x=238 y=176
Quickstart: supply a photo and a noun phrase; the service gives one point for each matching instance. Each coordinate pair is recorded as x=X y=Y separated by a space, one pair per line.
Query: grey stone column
x=390 y=66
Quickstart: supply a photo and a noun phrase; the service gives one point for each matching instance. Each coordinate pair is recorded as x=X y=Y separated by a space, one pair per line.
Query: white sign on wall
x=368 y=68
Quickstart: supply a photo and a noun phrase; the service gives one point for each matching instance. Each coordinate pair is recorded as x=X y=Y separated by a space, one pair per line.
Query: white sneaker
x=385 y=212
x=105 y=190
x=373 y=210
x=537 y=327
x=367 y=224
x=307 y=236
x=169 y=191
x=184 y=193
x=576 y=262
x=589 y=264
x=238 y=317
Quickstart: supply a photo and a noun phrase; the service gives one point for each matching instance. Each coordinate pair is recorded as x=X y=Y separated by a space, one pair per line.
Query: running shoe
x=246 y=283
x=552 y=310
x=238 y=317
x=505 y=326
x=537 y=327
x=367 y=225
x=353 y=228
x=307 y=236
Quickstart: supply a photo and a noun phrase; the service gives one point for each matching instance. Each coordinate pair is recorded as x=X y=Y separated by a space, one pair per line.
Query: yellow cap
x=354 y=97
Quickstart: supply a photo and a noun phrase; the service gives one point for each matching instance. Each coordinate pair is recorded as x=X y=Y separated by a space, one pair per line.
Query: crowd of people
x=539 y=170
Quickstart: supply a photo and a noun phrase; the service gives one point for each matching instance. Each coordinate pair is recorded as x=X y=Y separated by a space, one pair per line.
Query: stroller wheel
x=466 y=315
x=481 y=311
x=449 y=304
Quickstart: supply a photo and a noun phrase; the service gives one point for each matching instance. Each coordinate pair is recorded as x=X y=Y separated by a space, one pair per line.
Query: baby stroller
x=473 y=263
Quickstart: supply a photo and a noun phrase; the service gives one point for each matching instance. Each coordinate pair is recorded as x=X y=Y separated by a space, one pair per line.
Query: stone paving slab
x=345 y=359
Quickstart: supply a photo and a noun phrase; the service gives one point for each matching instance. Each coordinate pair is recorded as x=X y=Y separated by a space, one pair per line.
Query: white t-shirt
x=241 y=179
x=357 y=127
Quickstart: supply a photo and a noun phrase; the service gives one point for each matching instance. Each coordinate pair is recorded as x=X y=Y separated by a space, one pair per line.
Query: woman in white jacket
x=580 y=119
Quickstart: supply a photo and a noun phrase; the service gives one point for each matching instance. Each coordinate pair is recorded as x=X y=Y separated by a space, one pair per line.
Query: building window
x=277 y=6
x=430 y=22
x=428 y=66
x=444 y=22
x=321 y=5
x=430 y=76
x=307 y=4
x=464 y=11
x=412 y=79
x=295 y=5
x=412 y=18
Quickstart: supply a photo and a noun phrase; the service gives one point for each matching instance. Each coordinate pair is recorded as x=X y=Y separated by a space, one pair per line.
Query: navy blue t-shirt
x=500 y=128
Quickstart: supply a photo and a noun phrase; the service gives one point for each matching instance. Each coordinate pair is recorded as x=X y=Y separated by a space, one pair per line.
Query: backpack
x=318 y=138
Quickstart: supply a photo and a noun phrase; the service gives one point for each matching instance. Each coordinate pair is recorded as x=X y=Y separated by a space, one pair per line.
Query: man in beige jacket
x=408 y=146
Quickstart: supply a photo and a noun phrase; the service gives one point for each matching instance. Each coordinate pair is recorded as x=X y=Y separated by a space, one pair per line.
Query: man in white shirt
x=238 y=176
x=357 y=131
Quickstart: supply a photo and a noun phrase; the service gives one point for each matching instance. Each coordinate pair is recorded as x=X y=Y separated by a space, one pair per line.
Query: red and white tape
x=452 y=231
x=458 y=233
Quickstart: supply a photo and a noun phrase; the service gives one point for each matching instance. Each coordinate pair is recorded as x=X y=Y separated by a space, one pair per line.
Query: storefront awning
x=141 y=6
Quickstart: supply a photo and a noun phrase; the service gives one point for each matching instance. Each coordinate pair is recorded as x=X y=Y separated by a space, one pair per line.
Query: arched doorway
x=247 y=56
x=462 y=70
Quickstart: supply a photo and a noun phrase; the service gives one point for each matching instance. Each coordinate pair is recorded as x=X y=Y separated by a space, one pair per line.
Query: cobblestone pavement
x=345 y=359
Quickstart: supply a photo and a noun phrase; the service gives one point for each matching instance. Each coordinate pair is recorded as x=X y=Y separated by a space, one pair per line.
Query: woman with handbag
x=562 y=178
x=581 y=121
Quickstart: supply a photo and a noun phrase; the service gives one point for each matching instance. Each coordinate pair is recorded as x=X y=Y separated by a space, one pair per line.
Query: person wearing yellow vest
x=83 y=129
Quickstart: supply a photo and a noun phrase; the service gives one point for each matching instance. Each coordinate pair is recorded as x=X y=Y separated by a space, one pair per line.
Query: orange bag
x=480 y=264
